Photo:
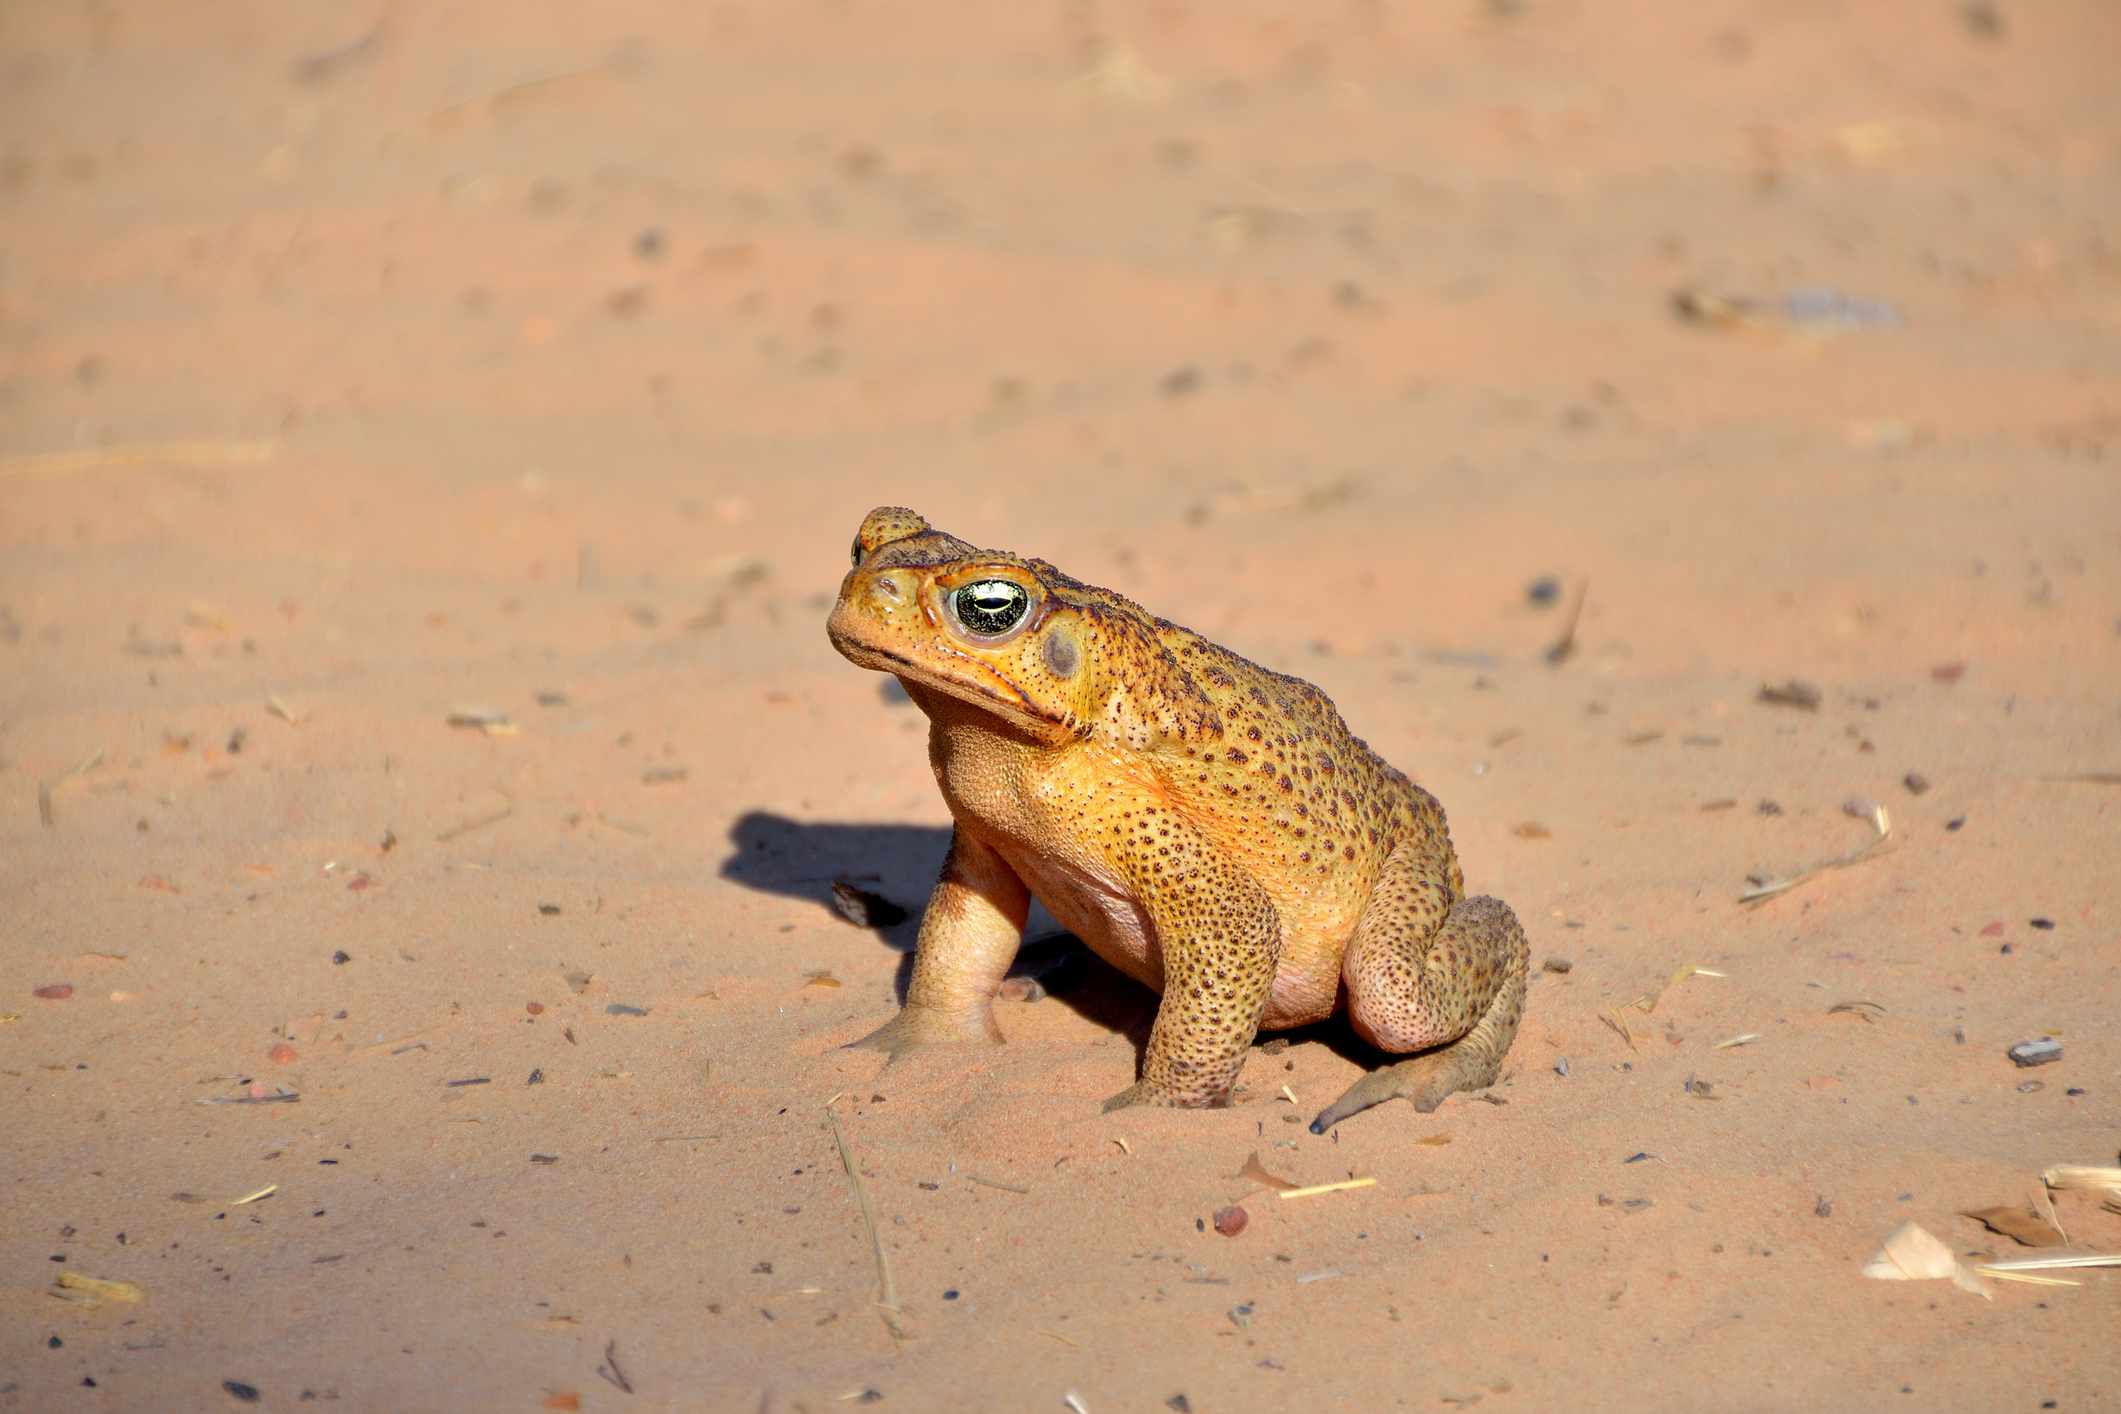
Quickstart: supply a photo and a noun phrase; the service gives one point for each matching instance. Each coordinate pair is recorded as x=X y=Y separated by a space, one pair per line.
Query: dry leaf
x=1912 y=1254
x=1257 y=1172
x=94 y=1291
x=2019 y=1225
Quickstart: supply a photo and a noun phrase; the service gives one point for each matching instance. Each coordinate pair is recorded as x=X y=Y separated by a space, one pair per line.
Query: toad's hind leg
x=1422 y=973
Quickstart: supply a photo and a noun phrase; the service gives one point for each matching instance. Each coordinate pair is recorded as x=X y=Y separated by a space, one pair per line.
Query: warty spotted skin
x=1207 y=826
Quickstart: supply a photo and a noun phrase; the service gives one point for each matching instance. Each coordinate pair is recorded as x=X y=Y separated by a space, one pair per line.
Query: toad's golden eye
x=989 y=607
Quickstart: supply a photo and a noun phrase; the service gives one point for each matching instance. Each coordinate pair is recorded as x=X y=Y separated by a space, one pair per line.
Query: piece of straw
x=887 y=1289
x=1317 y=1188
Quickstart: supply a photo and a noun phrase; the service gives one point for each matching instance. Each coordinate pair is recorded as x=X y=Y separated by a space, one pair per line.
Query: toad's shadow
x=801 y=859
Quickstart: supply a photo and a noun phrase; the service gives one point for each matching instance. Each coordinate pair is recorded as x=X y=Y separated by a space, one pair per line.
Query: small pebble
x=1231 y=1221
x=1916 y=783
x=2043 y=924
x=1559 y=965
x=1824 y=1208
x=2041 y=1052
x=1984 y=21
x=1543 y=591
x=241 y=1392
x=1561 y=1067
x=341 y=958
x=2031 y=1087
x=1795 y=693
x=56 y=992
x=281 y=1054
x=534 y=1008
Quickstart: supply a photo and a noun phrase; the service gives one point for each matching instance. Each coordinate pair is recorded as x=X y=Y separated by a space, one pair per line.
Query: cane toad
x=1207 y=826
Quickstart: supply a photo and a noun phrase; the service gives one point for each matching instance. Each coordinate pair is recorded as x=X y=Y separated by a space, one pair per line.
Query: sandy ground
x=495 y=356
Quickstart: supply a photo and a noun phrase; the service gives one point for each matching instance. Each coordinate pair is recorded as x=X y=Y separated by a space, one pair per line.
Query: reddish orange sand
x=511 y=358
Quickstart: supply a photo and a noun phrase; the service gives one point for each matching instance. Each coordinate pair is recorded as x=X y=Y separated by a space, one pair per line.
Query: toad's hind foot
x=1425 y=1080
x=1462 y=984
x=917 y=1028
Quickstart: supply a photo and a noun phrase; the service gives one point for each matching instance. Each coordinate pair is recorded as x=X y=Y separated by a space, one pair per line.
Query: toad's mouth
x=993 y=691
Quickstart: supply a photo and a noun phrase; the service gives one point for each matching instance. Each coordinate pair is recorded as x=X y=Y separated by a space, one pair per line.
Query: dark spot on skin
x=1237 y=757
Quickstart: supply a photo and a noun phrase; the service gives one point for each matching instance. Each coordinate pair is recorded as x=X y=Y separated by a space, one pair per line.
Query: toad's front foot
x=1143 y=1092
x=916 y=1028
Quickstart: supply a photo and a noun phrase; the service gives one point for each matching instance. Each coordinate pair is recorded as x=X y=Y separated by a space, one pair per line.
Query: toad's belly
x=1117 y=928
x=1097 y=910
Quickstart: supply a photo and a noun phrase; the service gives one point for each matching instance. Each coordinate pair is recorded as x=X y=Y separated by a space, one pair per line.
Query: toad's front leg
x=1221 y=940
x=969 y=935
